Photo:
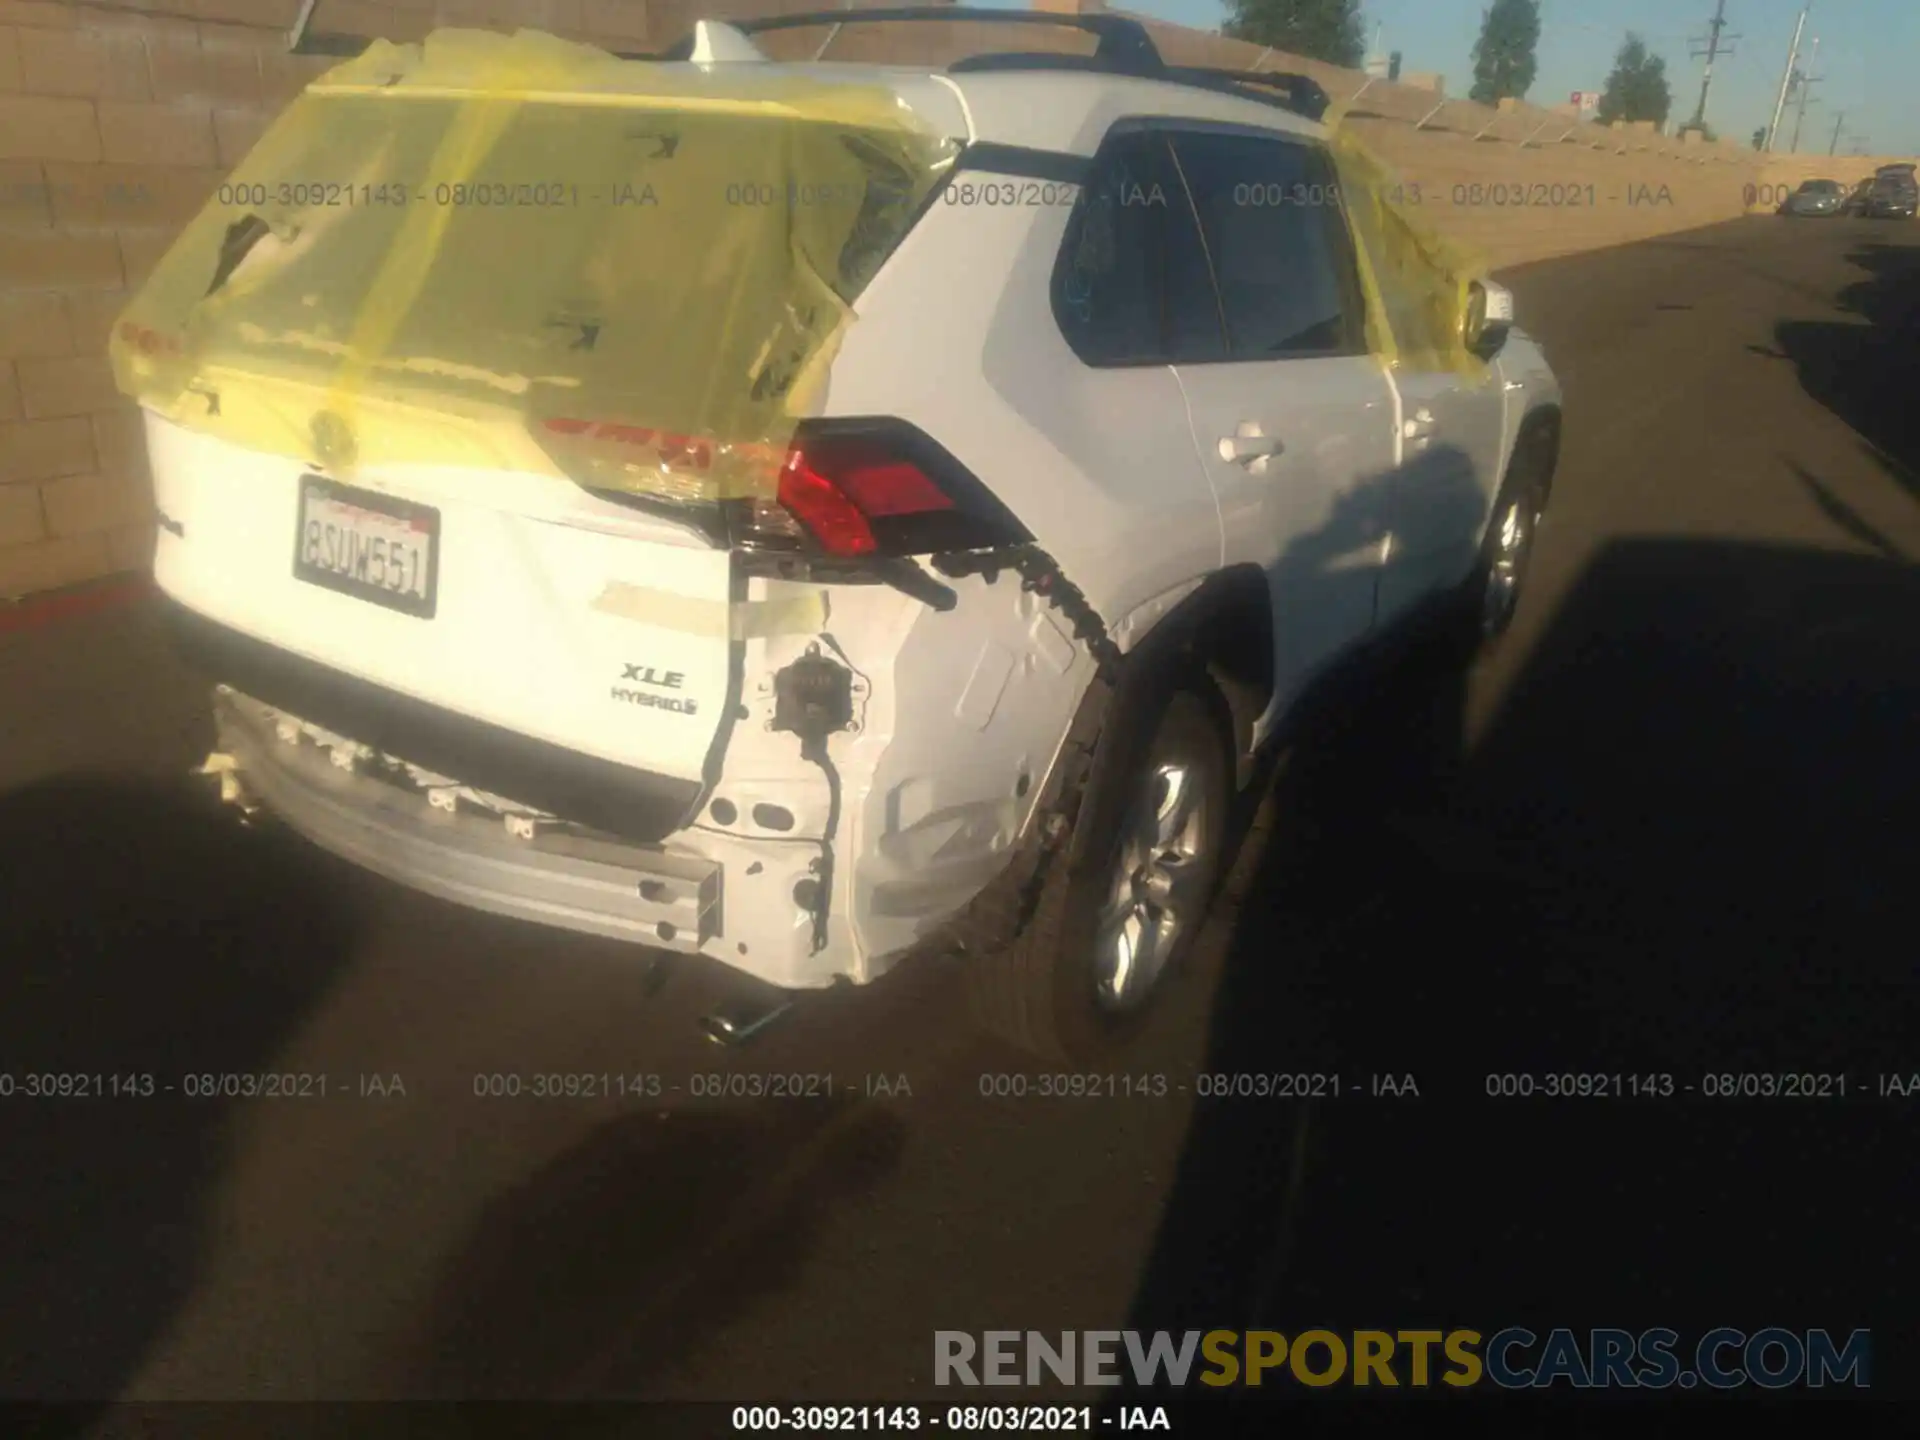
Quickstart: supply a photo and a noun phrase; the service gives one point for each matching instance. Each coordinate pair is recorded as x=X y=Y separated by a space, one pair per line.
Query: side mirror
x=1489 y=318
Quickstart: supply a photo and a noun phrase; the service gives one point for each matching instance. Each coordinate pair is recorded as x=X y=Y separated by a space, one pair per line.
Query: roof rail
x=1125 y=48
x=311 y=42
x=1299 y=93
x=1124 y=41
x=1296 y=94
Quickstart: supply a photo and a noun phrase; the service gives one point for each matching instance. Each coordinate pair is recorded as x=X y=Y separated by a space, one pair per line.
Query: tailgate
x=460 y=300
x=489 y=595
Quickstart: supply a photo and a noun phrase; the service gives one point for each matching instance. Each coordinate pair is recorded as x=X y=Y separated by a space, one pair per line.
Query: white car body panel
x=1308 y=515
x=1099 y=465
x=959 y=714
x=1453 y=446
x=521 y=562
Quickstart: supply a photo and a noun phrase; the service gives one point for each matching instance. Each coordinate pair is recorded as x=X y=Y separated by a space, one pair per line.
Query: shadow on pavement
x=184 y=945
x=1683 y=847
x=1868 y=373
x=597 y=1275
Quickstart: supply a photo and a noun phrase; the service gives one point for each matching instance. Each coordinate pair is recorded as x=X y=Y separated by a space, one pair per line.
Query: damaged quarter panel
x=1085 y=457
x=956 y=715
x=969 y=707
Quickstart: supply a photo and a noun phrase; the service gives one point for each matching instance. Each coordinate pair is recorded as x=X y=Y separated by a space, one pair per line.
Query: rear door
x=1292 y=415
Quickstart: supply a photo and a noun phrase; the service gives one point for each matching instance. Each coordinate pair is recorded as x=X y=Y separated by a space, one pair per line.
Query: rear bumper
x=627 y=892
x=620 y=800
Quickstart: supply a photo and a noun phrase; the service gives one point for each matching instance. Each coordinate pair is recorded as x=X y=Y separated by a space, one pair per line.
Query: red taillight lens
x=829 y=514
x=853 y=490
x=837 y=487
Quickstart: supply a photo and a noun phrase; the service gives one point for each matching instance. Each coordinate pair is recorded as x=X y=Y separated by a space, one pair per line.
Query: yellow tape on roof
x=516 y=252
x=1416 y=280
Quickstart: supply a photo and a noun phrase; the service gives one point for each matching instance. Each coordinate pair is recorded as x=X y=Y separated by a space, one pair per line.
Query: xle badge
x=660 y=680
x=647 y=675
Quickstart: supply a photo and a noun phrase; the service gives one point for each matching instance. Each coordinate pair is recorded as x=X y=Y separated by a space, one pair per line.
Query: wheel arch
x=1540 y=427
x=1222 y=632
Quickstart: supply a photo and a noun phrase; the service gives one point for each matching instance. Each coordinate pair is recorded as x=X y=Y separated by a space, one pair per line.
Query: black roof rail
x=1125 y=48
x=1124 y=41
x=346 y=47
x=1044 y=60
x=1299 y=93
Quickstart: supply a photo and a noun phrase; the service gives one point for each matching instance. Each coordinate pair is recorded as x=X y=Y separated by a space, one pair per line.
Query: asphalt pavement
x=1667 y=831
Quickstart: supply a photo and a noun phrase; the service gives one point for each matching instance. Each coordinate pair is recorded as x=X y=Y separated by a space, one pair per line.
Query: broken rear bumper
x=601 y=887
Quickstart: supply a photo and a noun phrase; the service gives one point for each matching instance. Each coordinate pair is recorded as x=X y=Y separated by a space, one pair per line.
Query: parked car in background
x=1856 y=201
x=1817 y=197
x=1894 y=196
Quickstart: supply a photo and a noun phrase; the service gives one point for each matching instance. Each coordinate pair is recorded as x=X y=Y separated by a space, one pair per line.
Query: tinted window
x=1277 y=241
x=1107 y=284
x=1131 y=284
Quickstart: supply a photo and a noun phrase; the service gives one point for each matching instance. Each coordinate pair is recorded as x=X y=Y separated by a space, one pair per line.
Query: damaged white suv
x=1098 y=463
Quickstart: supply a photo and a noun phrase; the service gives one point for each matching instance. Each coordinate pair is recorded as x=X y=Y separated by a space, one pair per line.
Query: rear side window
x=1108 y=290
x=1282 y=262
x=1131 y=284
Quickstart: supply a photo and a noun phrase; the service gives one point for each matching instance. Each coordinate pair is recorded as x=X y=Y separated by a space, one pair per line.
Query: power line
x=1805 y=83
x=1716 y=45
x=1786 y=77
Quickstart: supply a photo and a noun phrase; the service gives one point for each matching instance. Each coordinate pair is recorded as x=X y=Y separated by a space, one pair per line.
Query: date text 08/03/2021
x=953 y=1419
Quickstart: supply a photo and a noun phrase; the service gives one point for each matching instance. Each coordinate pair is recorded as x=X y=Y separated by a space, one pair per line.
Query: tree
x=1637 y=88
x=1326 y=30
x=1503 y=57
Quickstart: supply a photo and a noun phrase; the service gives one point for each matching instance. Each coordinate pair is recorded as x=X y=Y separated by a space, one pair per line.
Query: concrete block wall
x=118 y=120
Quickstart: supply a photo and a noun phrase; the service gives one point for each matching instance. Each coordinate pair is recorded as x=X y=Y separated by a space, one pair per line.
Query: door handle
x=1418 y=426
x=1248 y=446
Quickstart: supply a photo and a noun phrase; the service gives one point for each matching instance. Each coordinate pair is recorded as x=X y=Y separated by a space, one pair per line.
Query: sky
x=1869 y=55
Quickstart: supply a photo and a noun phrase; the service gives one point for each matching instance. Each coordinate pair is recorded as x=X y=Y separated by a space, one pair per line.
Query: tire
x=1042 y=990
x=1493 y=593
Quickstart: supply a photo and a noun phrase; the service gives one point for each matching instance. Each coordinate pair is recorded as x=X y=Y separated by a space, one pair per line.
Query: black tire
x=1493 y=593
x=1038 y=990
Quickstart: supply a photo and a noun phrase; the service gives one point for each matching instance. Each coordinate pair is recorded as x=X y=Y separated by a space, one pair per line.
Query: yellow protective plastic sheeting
x=515 y=252
x=1417 y=281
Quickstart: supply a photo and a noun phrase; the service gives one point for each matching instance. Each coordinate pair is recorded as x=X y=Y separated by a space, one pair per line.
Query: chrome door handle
x=1418 y=426
x=1247 y=446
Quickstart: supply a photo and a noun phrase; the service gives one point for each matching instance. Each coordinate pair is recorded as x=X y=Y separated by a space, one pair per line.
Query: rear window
x=582 y=243
x=674 y=259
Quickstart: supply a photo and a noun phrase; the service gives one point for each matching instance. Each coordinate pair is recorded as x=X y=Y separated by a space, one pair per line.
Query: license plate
x=371 y=547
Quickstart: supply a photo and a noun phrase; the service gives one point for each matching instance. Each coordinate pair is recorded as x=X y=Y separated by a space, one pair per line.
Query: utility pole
x=1715 y=48
x=1834 y=147
x=1806 y=82
x=1786 y=76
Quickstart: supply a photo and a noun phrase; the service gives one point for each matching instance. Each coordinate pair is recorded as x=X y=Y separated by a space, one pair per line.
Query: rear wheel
x=1117 y=911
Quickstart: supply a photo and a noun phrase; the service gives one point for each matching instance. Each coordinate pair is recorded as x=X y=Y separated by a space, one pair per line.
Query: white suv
x=1104 y=474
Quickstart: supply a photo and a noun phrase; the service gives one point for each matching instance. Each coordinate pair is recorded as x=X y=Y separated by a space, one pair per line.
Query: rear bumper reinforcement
x=628 y=892
x=613 y=799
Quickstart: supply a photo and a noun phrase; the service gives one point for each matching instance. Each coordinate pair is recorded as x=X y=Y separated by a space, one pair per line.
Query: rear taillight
x=616 y=456
x=876 y=489
x=843 y=489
